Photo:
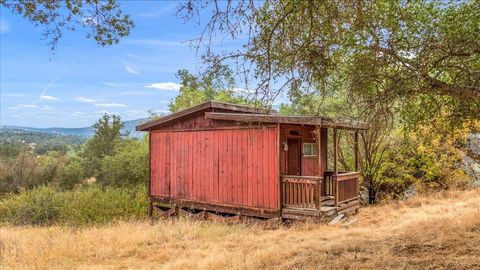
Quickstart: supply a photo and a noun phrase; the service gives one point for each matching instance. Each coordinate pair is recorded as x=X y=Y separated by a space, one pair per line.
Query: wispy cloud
x=112 y=84
x=164 y=86
x=111 y=105
x=131 y=70
x=133 y=93
x=85 y=100
x=47 y=108
x=4 y=26
x=43 y=95
x=133 y=55
x=46 y=97
x=15 y=95
x=23 y=106
x=80 y=114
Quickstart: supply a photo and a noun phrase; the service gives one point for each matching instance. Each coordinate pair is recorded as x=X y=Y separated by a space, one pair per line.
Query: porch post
x=320 y=176
x=335 y=151
x=335 y=167
x=356 y=151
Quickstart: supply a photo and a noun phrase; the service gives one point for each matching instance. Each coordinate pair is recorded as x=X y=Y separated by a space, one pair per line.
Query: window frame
x=313 y=146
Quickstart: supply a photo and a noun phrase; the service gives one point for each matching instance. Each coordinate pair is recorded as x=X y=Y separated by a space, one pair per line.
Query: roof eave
x=208 y=104
x=297 y=120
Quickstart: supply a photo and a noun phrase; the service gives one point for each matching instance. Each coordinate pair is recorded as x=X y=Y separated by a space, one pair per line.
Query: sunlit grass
x=429 y=232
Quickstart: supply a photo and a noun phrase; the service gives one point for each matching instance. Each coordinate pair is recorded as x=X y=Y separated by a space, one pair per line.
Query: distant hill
x=85 y=132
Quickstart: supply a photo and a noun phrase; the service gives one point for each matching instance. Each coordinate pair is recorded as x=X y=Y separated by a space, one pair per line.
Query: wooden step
x=300 y=213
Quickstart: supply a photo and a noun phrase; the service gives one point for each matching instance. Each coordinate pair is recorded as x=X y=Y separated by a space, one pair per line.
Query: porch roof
x=296 y=120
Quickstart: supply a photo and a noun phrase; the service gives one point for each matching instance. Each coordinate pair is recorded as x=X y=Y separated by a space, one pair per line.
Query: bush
x=87 y=205
x=128 y=166
x=71 y=173
x=39 y=206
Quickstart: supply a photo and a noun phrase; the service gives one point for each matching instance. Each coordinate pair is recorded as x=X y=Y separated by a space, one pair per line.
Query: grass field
x=429 y=232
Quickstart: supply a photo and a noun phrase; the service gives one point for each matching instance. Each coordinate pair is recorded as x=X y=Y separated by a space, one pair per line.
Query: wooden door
x=294 y=157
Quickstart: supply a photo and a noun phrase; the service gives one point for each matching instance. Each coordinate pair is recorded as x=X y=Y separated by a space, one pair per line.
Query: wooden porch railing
x=347 y=187
x=301 y=191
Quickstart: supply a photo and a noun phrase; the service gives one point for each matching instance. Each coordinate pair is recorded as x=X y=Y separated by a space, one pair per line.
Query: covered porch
x=326 y=194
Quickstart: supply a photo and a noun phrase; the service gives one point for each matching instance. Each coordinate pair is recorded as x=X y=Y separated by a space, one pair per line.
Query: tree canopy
x=424 y=55
x=104 y=20
x=216 y=84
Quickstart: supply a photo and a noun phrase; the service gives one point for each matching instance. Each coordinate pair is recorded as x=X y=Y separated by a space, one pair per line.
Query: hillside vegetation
x=441 y=230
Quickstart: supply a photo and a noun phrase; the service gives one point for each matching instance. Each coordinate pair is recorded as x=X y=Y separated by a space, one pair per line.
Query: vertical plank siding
x=236 y=167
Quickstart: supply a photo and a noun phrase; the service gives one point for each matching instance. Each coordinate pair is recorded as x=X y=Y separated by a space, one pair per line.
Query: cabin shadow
x=223 y=160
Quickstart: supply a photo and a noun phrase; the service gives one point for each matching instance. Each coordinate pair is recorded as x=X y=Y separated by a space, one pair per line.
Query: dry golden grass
x=430 y=232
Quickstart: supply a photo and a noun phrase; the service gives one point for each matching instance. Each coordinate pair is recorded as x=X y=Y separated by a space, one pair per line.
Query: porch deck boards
x=327 y=210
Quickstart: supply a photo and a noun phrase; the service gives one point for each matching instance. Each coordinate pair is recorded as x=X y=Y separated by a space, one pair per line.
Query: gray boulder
x=471 y=161
x=410 y=192
x=363 y=195
x=472 y=169
x=473 y=144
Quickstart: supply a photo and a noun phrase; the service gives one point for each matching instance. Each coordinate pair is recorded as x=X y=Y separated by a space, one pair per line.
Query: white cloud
x=133 y=55
x=111 y=105
x=80 y=114
x=131 y=70
x=85 y=99
x=47 y=109
x=46 y=97
x=27 y=106
x=15 y=95
x=164 y=86
x=4 y=26
x=23 y=106
x=133 y=93
x=112 y=84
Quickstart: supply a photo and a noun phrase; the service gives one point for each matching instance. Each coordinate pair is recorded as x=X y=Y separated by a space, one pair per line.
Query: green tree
x=128 y=166
x=217 y=84
x=71 y=173
x=107 y=133
x=104 y=20
x=425 y=54
x=373 y=142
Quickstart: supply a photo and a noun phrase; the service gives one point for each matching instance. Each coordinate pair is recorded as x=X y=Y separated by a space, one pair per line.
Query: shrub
x=39 y=206
x=94 y=205
x=71 y=173
x=128 y=166
x=87 y=205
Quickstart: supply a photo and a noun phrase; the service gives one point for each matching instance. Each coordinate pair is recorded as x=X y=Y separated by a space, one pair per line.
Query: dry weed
x=440 y=231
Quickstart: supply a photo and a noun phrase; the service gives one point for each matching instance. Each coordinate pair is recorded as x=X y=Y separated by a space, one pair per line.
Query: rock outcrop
x=471 y=161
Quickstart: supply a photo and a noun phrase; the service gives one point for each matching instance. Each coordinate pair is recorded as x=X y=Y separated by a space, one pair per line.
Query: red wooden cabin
x=235 y=159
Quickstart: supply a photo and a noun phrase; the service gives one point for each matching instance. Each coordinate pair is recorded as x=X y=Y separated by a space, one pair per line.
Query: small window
x=309 y=149
x=294 y=132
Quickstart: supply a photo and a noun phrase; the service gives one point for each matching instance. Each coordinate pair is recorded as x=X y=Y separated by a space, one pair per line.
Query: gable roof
x=296 y=120
x=200 y=107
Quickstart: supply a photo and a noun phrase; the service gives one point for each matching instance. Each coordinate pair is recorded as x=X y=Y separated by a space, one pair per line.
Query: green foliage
x=391 y=50
x=103 y=20
x=38 y=206
x=71 y=173
x=12 y=141
x=88 y=205
x=128 y=166
x=106 y=136
x=217 y=84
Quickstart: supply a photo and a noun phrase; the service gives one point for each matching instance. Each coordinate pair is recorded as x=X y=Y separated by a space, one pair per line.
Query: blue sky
x=82 y=80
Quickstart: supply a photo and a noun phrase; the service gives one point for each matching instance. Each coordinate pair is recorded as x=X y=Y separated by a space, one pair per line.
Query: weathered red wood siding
x=229 y=166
